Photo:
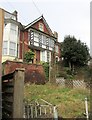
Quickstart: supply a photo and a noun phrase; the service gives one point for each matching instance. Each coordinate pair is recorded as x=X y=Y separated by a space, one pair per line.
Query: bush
x=29 y=56
x=46 y=69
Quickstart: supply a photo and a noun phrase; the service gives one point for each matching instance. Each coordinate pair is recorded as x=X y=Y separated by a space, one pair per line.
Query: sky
x=67 y=17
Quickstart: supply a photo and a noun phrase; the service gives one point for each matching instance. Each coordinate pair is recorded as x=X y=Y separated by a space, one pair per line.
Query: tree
x=74 y=52
x=29 y=56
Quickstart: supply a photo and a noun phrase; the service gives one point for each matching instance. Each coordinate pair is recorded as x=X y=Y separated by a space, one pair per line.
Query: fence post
x=86 y=107
x=18 y=93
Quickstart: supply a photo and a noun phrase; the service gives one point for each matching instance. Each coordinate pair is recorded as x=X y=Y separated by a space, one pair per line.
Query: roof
x=36 y=20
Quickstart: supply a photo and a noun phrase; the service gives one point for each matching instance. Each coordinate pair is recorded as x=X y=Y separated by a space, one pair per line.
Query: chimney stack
x=15 y=13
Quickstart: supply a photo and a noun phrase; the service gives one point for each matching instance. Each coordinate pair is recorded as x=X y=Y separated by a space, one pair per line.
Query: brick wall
x=33 y=73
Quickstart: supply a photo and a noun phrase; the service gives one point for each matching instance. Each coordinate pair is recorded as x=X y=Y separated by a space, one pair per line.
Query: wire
x=21 y=15
x=36 y=7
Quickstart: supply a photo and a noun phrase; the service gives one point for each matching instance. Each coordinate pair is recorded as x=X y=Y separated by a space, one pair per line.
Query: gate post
x=18 y=93
x=55 y=113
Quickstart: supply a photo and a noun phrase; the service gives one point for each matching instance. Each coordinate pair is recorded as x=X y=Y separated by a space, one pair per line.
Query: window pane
x=44 y=40
x=12 y=45
x=12 y=49
x=5 y=44
x=5 y=47
x=12 y=52
x=56 y=49
x=36 y=37
x=41 y=27
x=4 y=51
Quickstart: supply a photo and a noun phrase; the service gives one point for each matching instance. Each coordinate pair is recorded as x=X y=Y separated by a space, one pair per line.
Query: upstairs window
x=41 y=27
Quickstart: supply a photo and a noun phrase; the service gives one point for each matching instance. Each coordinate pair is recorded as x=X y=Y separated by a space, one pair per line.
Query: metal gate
x=40 y=109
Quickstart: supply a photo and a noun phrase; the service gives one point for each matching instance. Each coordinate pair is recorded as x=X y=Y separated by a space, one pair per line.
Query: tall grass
x=70 y=102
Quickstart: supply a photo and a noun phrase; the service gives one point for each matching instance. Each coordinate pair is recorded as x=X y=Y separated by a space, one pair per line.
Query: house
x=37 y=36
x=10 y=35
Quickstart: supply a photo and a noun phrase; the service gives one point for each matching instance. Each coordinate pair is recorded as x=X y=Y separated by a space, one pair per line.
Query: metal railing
x=40 y=109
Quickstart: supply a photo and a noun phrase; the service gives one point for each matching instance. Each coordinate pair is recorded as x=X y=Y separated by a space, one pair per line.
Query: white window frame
x=41 y=27
x=12 y=48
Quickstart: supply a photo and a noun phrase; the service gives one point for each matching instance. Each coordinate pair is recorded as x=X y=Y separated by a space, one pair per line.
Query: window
x=12 y=49
x=36 y=37
x=51 y=43
x=56 y=49
x=13 y=27
x=31 y=37
x=41 y=27
x=40 y=40
x=43 y=56
x=13 y=33
x=44 y=40
x=5 y=47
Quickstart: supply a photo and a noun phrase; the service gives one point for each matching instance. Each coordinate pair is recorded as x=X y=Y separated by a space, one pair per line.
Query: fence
x=72 y=83
x=12 y=94
x=40 y=110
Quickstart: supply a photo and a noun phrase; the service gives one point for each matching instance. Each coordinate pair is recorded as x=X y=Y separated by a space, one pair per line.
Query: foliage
x=74 y=52
x=88 y=74
x=65 y=72
x=46 y=69
x=29 y=56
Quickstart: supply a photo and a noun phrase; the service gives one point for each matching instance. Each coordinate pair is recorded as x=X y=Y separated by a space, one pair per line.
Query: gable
x=40 y=24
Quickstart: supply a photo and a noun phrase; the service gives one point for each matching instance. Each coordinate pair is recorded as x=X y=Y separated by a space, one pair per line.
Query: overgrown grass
x=70 y=102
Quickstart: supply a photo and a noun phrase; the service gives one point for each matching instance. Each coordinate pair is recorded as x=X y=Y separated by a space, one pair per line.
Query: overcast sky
x=67 y=17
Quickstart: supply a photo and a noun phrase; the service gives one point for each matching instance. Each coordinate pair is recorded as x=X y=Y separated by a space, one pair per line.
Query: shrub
x=29 y=56
x=46 y=69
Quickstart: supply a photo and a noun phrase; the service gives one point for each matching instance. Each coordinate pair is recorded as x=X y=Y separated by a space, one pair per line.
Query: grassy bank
x=70 y=102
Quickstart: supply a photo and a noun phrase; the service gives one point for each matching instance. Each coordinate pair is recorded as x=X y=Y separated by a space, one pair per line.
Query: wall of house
x=33 y=73
x=37 y=56
x=21 y=45
x=25 y=42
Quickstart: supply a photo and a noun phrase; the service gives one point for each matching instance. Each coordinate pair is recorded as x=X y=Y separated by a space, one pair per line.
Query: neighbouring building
x=11 y=35
x=18 y=39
